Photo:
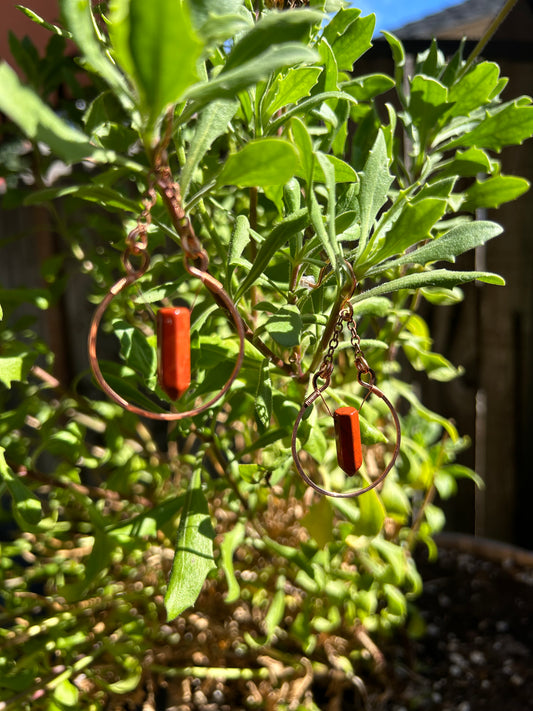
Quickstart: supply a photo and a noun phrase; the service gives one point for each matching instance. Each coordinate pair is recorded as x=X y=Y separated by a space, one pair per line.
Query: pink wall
x=14 y=20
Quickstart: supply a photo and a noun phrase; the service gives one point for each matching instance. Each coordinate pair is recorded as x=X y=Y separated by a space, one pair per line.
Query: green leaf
x=395 y=499
x=212 y=124
x=303 y=142
x=156 y=42
x=474 y=89
x=203 y=10
x=317 y=220
x=273 y=29
x=427 y=105
x=263 y=162
x=263 y=397
x=343 y=172
x=194 y=551
x=275 y=240
x=289 y=88
x=319 y=521
x=413 y=224
x=38 y=121
x=240 y=238
x=80 y=22
x=34 y=17
x=11 y=368
x=365 y=88
x=285 y=326
x=229 y=83
x=232 y=540
x=112 y=199
x=339 y=23
x=276 y=611
x=394 y=555
x=217 y=20
x=510 y=125
x=375 y=183
x=354 y=42
x=493 y=192
x=328 y=168
x=66 y=694
x=396 y=602
x=398 y=55
x=26 y=504
x=437 y=277
x=456 y=241
x=468 y=163
x=371 y=514
x=135 y=349
x=305 y=106
x=436 y=366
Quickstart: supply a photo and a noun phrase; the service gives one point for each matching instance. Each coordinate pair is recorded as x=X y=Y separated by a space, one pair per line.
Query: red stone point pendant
x=173 y=350
x=348 y=439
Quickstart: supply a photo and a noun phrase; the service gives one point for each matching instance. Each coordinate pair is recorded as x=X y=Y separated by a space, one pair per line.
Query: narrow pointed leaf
x=232 y=540
x=212 y=124
x=303 y=107
x=228 y=84
x=437 y=277
x=413 y=225
x=375 y=183
x=194 y=551
x=277 y=238
x=292 y=87
x=474 y=89
x=25 y=502
x=453 y=243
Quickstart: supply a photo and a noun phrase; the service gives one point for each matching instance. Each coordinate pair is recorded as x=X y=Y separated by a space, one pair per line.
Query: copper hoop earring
x=372 y=390
x=136 y=245
x=349 y=453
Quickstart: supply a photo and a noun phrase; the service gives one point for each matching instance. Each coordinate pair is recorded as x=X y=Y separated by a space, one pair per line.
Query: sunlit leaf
x=493 y=192
x=157 y=44
x=263 y=162
x=193 y=559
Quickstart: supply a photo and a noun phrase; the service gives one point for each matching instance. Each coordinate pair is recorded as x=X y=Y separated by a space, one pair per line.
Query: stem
x=492 y=28
x=254 y=291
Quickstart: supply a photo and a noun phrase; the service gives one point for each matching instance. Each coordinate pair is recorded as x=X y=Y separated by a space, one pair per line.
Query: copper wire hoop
x=317 y=392
x=216 y=288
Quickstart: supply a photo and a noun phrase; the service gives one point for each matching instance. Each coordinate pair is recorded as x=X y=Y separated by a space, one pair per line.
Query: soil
x=477 y=652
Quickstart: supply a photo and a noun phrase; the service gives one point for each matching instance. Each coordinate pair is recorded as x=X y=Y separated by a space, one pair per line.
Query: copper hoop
x=216 y=288
x=372 y=390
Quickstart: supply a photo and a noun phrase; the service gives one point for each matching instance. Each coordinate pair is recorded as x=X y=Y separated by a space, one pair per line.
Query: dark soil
x=477 y=653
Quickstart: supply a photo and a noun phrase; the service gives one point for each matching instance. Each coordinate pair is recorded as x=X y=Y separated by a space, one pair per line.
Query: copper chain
x=137 y=239
x=345 y=316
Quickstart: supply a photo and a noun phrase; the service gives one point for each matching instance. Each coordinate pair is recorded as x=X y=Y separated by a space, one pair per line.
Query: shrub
x=290 y=164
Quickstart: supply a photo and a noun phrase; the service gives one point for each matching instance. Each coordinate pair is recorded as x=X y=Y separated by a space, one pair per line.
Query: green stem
x=489 y=33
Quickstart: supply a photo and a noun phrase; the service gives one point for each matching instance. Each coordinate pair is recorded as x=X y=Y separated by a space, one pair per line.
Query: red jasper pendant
x=348 y=439
x=174 y=350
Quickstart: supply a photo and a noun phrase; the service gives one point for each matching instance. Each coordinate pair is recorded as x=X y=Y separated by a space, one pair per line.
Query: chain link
x=326 y=367
x=137 y=239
